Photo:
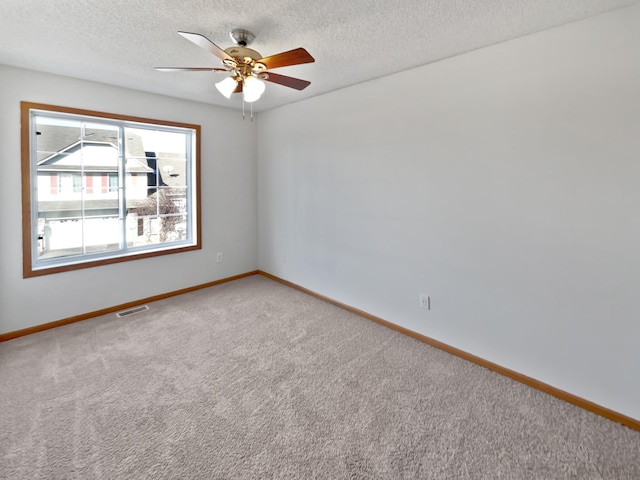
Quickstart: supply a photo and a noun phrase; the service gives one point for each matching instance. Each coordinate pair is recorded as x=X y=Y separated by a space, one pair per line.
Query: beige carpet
x=252 y=379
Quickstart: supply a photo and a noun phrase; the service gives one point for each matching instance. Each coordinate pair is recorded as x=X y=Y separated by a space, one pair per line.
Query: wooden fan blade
x=286 y=81
x=285 y=59
x=238 y=88
x=190 y=69
x=208 y=45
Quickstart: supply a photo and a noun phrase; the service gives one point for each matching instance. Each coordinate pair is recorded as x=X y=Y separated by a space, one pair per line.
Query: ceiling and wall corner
x=119 y=42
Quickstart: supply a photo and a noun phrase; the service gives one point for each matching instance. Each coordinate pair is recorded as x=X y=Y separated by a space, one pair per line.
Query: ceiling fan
x=247 y=67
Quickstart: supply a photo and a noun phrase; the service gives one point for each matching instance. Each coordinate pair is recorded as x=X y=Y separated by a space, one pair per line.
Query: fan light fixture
x=227 y=86
x=252 y=89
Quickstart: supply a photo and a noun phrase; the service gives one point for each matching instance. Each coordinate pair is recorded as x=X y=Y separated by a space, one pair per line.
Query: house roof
x=352 y=41
x=61 y=148
x=54 y=137
x=90 y=156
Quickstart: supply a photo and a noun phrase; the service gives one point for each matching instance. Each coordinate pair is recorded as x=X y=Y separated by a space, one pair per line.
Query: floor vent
x=132 y=311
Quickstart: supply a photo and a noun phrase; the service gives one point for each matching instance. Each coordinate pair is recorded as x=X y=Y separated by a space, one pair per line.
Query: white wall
x=229 y=212
x=505 y=183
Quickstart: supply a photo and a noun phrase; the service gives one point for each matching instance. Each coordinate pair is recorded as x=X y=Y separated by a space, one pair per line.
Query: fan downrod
x=241 y=37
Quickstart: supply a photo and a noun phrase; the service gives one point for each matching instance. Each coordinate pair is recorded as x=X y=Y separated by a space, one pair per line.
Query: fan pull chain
x=250 y=110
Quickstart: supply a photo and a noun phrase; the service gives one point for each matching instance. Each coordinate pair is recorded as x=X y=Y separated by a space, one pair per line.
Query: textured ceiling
x=120 y=41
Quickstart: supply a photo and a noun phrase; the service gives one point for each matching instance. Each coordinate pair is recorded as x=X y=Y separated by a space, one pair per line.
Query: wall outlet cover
x=425 y=301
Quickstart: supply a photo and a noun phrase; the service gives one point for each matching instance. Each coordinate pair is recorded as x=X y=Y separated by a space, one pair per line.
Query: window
x=100 y=188
x=69 y=183
x=113 y=182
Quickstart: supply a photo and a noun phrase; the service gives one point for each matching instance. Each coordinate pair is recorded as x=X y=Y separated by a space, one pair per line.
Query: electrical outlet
x=425 y=301
x=219 y=257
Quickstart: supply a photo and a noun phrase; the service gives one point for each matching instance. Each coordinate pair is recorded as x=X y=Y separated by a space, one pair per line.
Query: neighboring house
x=78 y=190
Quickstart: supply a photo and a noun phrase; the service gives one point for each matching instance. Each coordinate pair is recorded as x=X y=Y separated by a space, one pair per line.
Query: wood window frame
x=29 y=230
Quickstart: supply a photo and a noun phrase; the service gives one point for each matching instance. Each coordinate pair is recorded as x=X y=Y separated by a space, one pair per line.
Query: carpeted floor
x=252 y=379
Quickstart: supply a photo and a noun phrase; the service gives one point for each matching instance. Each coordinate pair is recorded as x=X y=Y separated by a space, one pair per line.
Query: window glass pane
x=156 y=163
x=173 y=228
x=172 y=171
x=101 y=234
x=61 y=237
x=178 y=198
x=77 y=180
x=163 y=204
x=150 y=230
x=54 y=136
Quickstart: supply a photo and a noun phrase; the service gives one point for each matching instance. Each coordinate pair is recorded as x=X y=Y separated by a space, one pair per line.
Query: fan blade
x=286 y=81
x=238 y=88
x=208 y=45
x=190 y=69
x=285 y=59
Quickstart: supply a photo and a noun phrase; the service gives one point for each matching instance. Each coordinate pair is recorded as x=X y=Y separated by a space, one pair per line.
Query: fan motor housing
x=241 y=37
x=242 y=52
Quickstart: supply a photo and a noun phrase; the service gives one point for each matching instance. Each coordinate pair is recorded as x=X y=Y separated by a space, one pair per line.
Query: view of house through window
x=103 y=188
